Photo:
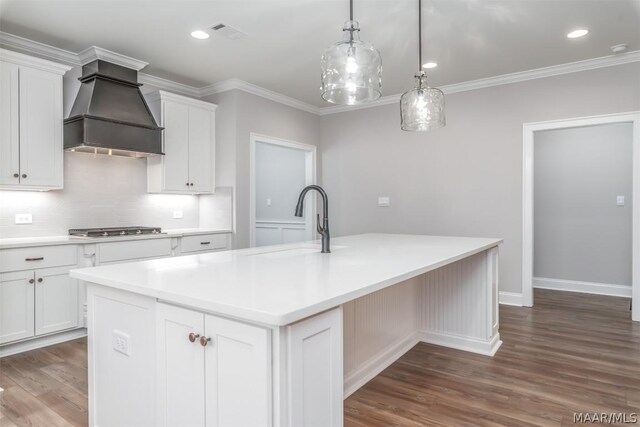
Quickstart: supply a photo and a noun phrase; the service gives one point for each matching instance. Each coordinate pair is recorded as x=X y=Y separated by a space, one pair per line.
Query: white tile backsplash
x=99 y=191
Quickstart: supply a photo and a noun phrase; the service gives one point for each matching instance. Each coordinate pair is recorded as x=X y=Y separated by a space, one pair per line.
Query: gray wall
x=464 y=179
x=280 y=176
x=579 y=232
x=246 y=113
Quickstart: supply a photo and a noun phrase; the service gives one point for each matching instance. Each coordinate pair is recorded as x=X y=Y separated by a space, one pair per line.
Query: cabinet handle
x=193 y=336
x=31 y=281
x=191 y=184
x=204 y=341
x=35 y=259
x=205 y=243
x=187 y=184
x=39 y=279
x=16 y=175
x=24 y=175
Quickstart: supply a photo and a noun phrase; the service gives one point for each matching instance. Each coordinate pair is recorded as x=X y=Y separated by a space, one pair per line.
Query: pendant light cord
x=419 y=35
x=351 y=19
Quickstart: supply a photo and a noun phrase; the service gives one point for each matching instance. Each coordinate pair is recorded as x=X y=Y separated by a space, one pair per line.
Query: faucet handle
x=318 y=226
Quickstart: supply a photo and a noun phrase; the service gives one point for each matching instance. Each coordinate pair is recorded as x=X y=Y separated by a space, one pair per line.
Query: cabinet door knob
x=191 y=184
x=16 y=175
x=193 y=336
x=24 y=175
x=39 y=279
x=204 y=341
x=187 y=184
x=31 y=281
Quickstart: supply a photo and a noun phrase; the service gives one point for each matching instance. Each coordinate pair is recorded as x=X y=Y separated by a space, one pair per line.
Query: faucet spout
x=324 y=229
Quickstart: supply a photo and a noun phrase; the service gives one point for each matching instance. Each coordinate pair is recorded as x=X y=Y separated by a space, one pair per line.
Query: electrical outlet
x=121 y=342
x=384 y=201
x=268 y=202
x=178 y=214
x=24 y=218
x=620 y=201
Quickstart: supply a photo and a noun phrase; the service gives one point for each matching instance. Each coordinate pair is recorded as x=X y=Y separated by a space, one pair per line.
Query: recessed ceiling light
x=200 y=35
x=430 y=65
x=577 y=33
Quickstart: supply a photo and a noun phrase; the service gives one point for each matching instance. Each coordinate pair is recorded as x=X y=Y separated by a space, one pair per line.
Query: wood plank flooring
x=570 y=353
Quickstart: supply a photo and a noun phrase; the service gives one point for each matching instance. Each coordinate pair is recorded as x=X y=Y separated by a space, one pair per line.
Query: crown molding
x=168 y=85
x=34 y=62
x=521 y=76
x=244 y=86
x=14 y=42
x=93 y=53
x=161 y=95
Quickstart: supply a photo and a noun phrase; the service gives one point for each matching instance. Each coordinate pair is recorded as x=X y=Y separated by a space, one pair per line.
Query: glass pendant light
x=351 y=68
x=422 y=108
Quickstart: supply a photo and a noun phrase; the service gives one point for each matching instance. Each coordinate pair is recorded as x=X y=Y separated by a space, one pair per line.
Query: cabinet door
x=238 y=369
x=41 y=150
x=56 y=300
x=201 y=150
x=9 y=125
x=176 y=147
x=181 y=373
x=16 y=306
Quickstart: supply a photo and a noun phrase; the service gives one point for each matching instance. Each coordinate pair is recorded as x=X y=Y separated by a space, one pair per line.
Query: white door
x=9 y=125
x=176 y=146
x=201 y=156
x=181 y=373
x=238 y=370
x=16 y=306
x=40 y=128
x=56 y=300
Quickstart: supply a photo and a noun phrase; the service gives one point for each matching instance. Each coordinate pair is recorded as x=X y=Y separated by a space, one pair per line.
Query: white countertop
x=279 y=285
x=25 y=242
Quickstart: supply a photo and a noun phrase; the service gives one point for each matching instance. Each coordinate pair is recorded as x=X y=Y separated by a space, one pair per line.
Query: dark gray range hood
x=110 y=115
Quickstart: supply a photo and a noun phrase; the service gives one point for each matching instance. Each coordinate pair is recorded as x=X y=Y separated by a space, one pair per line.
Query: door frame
x=528 y=130
x=310 y=178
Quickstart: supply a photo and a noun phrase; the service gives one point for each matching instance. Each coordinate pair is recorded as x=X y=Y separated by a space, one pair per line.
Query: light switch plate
x=384 y=201
x=24 y=218
x=620 y=201
x=268 y=202
x=178 y=214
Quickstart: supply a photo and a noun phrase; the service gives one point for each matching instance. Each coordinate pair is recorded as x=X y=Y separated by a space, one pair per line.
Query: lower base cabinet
x=212 y=371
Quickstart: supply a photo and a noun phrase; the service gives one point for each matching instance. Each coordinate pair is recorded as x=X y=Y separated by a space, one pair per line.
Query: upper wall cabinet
x=188 y=164
x=31 y=152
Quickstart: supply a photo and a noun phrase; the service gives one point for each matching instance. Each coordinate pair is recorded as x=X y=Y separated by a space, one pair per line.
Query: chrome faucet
x=324 y=229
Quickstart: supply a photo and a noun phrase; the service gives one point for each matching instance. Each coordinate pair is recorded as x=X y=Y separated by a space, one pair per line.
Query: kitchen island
x=278 y=335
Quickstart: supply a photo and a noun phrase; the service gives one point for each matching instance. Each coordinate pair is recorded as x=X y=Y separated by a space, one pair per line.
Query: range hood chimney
x=110 y=115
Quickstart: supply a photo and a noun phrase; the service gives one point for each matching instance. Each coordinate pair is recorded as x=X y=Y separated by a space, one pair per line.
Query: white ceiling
x=470 y=39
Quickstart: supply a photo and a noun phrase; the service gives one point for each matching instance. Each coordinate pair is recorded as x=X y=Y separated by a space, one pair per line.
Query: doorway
x=584 y=235
x=280 y=169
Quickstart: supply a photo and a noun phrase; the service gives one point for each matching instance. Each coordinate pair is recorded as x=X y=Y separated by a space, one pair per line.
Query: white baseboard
x=584 y=287
x=44 y=341
x=377 y=364
x=462 y=343
x=510 y=298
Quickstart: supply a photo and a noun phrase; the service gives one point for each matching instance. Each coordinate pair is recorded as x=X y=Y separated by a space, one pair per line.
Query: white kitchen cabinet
x=212 y=371
x=188 y=163
x=56 y=301
x=16 y=306
x=31 y=146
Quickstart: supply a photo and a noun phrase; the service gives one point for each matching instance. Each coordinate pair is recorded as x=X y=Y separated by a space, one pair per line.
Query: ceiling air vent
x=227 y=31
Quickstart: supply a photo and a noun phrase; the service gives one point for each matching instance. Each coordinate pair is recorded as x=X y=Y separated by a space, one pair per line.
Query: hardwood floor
x=570 y=353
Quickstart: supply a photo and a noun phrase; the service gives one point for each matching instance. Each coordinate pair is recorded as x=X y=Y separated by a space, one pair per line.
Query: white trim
x=310 y=171
x=41 y=49
x=93 y=53
x=169 y=85
x=528 y=130
x=161 y=95
x=520 y=76
x=43 y=341
x=462 y=343
x=378 y=363
x=33 y=62
x=584 y=287
x=244 y=86
x=510 y=298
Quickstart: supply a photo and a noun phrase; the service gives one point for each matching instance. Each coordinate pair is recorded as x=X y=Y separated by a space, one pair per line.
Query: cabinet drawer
x=203 y=242
x=133 y=250
x=38 y=257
